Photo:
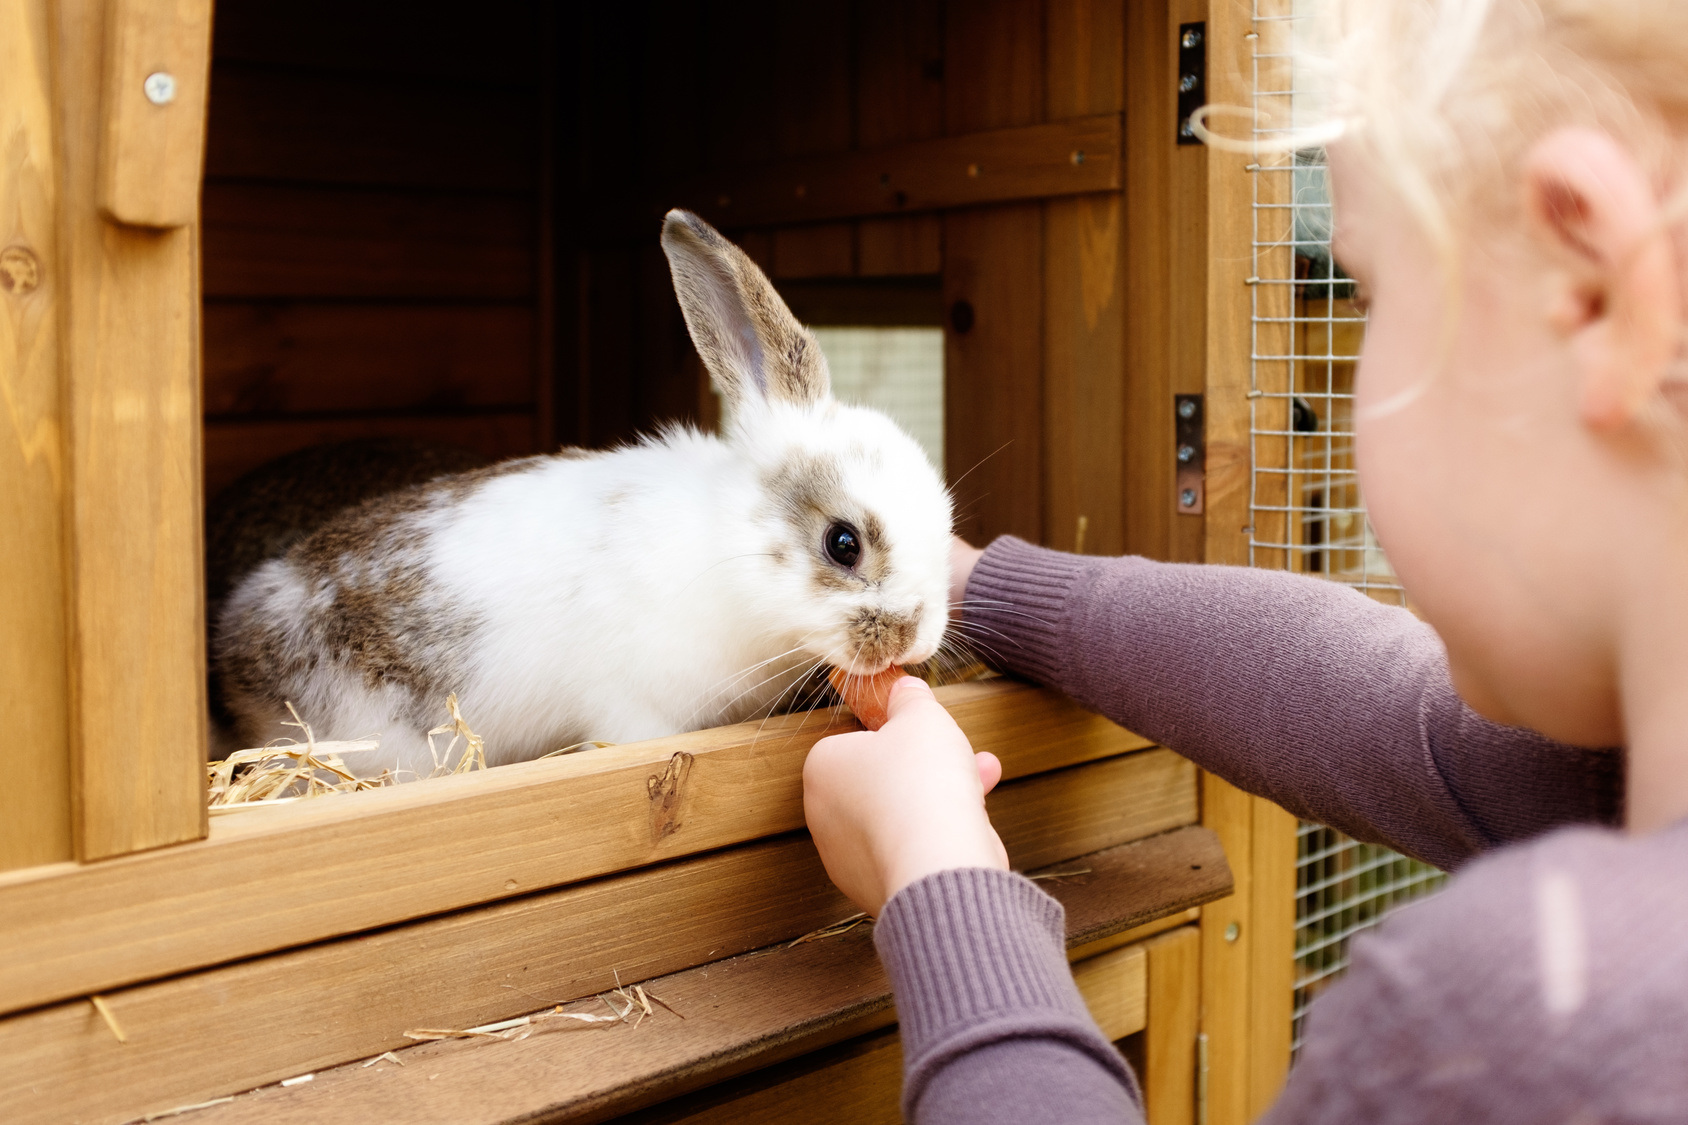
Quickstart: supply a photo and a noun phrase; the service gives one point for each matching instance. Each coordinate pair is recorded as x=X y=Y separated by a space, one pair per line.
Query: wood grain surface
x=34 y=687
x=734 y=1015
x=237 y=1027
x=130 y=323
x=350 y=865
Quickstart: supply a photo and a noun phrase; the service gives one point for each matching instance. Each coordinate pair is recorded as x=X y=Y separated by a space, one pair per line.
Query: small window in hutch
x=897 y=370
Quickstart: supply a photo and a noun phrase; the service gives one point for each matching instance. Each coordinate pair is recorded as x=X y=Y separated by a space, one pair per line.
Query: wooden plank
x=1169 y=1072
x=270 y=358
x=34 y=690
x=1084 y=61
x=1114 y=988
x=1227 y=944
x=740 y=1013
x=899 y=71
x=499 y=47
x=1084 y=417
x=1229 y=335
x=1001 y=165
x=1272 y=975
x=152 y=121
x=1186 y=228
x=812 y=49
x=1084 y=299
x=900 y=247
x=130 y=325
x=821 y=250
x=304 y=126
x=265 y=240
x=231 y=448
x=859 y=1083
x=993 y=64
x=993 y=371
x=354 y=998
x=73 y=930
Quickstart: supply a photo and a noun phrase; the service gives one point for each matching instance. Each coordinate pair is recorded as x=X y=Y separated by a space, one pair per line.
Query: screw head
x=1187 y=498
x=1233 y=932
x=1190 y=40
x=1185 y=454
x=1185 y=129
x=1186 y=409
x=160 y=87
x=1186 y=83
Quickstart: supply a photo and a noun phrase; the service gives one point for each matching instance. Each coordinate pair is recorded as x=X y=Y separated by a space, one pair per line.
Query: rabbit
x=680 y=582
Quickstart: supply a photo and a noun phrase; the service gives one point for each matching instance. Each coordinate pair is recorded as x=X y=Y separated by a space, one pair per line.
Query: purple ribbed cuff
x=1016 y=609
x=978 y=956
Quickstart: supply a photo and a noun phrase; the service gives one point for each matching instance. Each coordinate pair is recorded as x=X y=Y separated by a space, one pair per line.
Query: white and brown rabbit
x=682 y=582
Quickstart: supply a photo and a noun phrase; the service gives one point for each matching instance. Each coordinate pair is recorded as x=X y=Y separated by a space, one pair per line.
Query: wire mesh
x=1306 y=512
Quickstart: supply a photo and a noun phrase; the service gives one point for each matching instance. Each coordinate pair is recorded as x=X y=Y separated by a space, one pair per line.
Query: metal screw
x=1186 y=409
x=1185 y=454
x=160 y=87
x=1185 y=129
x=1186 y=83
x=1191 y=39
x=1233 y=932
x=1078 y=156
x=1187 y=498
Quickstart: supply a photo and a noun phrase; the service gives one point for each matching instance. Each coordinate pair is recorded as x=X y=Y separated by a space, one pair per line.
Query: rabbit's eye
x=843 y=545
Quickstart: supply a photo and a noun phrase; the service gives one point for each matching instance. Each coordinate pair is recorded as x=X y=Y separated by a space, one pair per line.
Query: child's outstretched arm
x=1303 y=691
x=993 y=1028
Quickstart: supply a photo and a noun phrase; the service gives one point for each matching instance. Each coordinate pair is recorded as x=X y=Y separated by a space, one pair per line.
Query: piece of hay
x=842 y=926
x=181 y=1109
x=288 y=770
x=109 y=1017
x=1059 y=874
x=634 y=1002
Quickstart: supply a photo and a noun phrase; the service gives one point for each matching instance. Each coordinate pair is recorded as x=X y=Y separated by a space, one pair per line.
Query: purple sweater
x=1547 y=983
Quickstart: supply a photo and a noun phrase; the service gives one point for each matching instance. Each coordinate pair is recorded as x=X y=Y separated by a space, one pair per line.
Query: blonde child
x=1509 y=189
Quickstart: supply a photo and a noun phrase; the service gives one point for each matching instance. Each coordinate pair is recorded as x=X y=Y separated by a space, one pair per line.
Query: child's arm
x=993 y=1028
x=1332 y=705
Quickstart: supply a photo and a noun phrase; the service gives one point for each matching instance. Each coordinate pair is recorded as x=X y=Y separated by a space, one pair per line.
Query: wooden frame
x=1118 y=278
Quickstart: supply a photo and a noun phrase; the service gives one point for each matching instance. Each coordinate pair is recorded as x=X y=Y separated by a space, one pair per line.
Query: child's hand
x=887 y=807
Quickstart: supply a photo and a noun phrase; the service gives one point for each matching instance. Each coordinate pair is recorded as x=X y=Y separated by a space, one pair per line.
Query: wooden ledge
x=1071 y=157
x=740 y=1014
x=270 y=879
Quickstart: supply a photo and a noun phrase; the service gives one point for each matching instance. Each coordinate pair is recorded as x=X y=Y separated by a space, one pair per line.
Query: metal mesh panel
x=1306 y=513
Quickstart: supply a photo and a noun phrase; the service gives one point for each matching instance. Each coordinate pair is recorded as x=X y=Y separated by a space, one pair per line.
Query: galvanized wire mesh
x=1306 y=511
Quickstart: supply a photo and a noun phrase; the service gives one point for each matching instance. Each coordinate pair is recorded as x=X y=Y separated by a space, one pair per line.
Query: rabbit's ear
x=754 y=348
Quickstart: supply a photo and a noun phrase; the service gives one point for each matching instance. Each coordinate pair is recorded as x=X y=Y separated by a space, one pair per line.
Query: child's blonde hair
x=1447 y=96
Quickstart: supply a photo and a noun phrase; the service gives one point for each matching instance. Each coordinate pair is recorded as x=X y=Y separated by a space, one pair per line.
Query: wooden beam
x=997 y=166
x=152 y=120
x=35 y=803
x=351 y=860
x=239 y=1026
x=740 y=1014
x=130 y=323
x=1169 y=1050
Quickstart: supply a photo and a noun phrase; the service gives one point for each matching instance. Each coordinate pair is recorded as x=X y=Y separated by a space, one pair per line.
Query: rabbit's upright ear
x=754 y=348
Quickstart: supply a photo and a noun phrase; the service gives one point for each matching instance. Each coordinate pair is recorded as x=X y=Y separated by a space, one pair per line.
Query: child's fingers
x=990 y=769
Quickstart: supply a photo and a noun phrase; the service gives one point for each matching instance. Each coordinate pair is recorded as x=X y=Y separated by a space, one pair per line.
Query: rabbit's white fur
x=670 y=585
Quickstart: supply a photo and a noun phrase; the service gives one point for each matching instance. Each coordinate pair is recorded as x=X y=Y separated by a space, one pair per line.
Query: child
x=1508 y=193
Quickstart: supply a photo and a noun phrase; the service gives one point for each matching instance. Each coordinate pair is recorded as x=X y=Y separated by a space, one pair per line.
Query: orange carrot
x=867 y=696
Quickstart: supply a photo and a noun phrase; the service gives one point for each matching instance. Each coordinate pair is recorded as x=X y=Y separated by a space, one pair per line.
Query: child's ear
x=1590 y=200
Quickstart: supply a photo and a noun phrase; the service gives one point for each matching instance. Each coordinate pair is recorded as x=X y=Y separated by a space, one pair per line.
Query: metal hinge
x=1190 y=445
x=1192 y=77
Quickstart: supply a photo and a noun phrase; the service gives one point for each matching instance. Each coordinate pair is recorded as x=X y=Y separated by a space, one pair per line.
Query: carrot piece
x=868 y=696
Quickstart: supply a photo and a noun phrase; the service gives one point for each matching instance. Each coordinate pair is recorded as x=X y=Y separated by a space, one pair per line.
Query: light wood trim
x=1226 y=958
x=997 y=166
x=236 y=1027
x=1169 y=1050
x=1114 y=987
x=1272 y=976
x=35 y=802
x=351 y=860
x=152 y=156
x=130 y=324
